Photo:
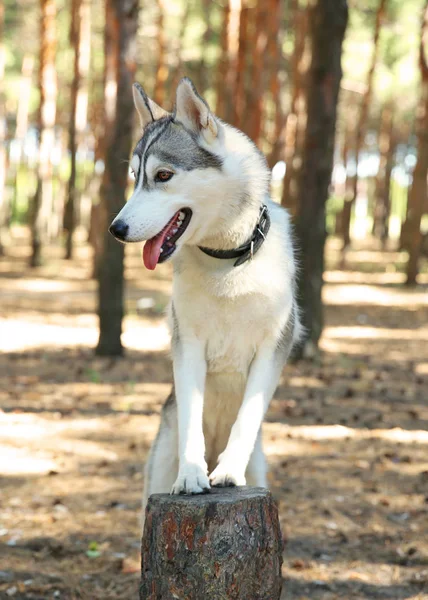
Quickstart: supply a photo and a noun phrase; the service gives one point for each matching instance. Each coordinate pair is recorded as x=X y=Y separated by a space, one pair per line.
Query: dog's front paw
x=227 y=474
x=192 y=479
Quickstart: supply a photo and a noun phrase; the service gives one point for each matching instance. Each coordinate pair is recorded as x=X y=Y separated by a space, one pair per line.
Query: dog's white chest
x=230 y=342
x=231 y=329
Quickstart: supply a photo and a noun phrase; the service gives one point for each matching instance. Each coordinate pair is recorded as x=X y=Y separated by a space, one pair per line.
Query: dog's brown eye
x=163 y=176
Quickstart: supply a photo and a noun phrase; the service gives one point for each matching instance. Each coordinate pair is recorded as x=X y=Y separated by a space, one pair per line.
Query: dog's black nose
x=119 y=229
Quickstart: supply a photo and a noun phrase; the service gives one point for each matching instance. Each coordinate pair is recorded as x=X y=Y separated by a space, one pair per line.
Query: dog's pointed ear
x=148 y=110
x=193 y=111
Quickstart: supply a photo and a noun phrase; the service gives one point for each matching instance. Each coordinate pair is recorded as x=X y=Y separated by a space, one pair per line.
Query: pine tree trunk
x=80 y=40
x=24 y=98
x=228 y=61
x=22 y=113
x=218 y=546
x=362 y=126
x=239 y=100
x=253 y=124
x=203 y=74
x=404 y=233
x=121 y=29
x=417 y=202
x=162 y=66
x=43 y=198
x=84 y=134
x=97 y=127
x=296 y=119
x=4 y=209
x=327 y=24
x=223 y=62
x=69 y=214
x=383 y=179
x=97 y=119
x=341 y=192
x=346 y=216
x=274 y=51
x=178 y=71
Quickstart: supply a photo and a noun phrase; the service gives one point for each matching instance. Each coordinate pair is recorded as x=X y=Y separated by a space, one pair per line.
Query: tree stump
x=225 y=545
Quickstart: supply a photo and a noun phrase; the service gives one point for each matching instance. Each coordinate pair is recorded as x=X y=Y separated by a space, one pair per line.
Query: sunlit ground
x=346 y=436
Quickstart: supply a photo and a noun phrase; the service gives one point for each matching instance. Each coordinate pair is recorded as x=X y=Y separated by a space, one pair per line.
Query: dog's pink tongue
x=151 y=252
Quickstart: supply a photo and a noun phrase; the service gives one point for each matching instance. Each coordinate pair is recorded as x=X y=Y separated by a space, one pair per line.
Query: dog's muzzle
x=119 y=229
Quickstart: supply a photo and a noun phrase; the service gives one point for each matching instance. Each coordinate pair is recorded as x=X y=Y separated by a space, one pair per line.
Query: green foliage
x=197 y=47
x=397 y=72
x=93 y=551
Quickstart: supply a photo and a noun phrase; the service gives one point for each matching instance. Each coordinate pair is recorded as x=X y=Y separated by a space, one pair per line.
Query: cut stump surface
x=223 y=545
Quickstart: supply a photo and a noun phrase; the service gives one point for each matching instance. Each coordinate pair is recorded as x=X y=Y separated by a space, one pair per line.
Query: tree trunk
x=4 y=211
x=239 y=100
x=217 y=546
x=362 y=126
x=25 y=86
x=223 y=62
x=417 y=202
x=121 y=29
x=404 y=233
x=253 y=122
x=97 y=117
x=162 y=66
x=80 y=39
x=274 y=51
x=344 y=217
x=296 y=118
x=69 y=214
x=383 y=179
x=340 y=189
x=203 y=73
x=178 y=71
x=228 y=61
x=24 y=98
x=43 y=198
x=327 y=24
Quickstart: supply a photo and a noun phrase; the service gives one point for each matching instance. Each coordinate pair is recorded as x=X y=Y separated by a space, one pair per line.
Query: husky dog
x=201 y=200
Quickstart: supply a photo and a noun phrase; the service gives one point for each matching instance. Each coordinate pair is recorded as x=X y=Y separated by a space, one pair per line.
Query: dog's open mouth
x=159 y=248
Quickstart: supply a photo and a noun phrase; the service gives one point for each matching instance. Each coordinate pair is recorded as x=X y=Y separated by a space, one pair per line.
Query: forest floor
x=346 y=435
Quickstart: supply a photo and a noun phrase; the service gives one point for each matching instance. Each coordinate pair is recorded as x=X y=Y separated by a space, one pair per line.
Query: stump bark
x=223 y=545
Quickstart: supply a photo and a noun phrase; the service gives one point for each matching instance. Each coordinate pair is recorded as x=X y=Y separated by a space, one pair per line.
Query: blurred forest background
x=268 y=68
x=335 y=94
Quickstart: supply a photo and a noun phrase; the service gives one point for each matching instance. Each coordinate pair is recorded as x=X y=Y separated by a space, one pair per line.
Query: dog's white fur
x=227 y=322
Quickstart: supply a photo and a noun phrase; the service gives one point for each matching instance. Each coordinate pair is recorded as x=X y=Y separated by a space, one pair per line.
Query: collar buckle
x=248 y=250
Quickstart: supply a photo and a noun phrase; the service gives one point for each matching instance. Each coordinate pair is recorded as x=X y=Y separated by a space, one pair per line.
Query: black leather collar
x=249 y=249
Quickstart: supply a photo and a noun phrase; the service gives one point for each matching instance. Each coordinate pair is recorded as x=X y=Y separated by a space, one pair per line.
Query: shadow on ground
x=345 y=436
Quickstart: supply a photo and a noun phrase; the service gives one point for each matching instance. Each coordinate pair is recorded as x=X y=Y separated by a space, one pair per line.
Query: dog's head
x=179 y=176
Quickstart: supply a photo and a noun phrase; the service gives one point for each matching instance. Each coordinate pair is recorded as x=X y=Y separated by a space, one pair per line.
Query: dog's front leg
x=262 y=380
x=189 y=379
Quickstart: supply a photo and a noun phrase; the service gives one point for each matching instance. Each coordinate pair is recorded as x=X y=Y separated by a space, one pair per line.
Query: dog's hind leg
x=162 y=464
x=256 y=473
